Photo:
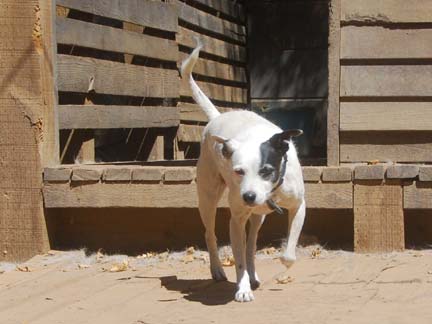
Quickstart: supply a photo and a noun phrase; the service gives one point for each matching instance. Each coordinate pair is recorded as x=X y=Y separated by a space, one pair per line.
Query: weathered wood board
x=378 y=218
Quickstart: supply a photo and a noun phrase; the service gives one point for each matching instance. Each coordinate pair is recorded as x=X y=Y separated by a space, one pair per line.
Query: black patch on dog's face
x=271 y=158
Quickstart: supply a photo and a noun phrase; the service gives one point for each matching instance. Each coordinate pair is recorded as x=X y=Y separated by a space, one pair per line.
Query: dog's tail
x=201 y=99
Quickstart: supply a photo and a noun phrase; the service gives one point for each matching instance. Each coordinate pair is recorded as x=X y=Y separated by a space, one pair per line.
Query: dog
x=258 y=163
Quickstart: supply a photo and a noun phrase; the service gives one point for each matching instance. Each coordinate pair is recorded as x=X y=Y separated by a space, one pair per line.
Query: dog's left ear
x=228 y=145
x=279 y=140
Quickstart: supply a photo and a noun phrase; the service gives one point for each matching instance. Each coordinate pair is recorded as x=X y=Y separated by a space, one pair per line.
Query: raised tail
x=201 y=99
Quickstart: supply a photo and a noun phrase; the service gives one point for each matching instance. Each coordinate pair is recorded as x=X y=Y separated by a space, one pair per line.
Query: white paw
x=287 y=261
x=218 y=274
x=243 y=296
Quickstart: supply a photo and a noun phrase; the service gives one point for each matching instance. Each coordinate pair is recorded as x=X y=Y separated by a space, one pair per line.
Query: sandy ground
x=326 y=287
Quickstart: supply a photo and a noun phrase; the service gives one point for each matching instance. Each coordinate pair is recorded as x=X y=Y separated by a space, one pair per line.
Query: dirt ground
x=324 y=287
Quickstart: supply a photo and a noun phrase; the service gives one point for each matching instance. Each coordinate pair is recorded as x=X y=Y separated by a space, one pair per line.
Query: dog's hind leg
x=289 y=255
x=255 y=222
x=210 y=189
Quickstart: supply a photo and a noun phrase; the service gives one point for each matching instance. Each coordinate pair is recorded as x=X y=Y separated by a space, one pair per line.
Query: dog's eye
x=266 y=172
x=239 y=172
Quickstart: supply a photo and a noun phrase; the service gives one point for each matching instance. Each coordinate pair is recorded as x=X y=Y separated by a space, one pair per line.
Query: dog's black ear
x=279 y=140
x=228 y=146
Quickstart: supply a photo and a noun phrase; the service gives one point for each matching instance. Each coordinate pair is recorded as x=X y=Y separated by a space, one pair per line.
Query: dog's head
x=257 y=168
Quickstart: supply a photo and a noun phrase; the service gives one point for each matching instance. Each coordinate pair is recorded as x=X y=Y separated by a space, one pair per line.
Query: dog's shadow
x=205 y=291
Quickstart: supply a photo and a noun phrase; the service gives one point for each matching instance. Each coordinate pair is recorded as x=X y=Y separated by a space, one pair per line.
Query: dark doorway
x=288 y=65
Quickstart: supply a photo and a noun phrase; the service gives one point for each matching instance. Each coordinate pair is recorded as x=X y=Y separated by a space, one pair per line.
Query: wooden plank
x=26 y=103
x=386 y=146
x=425 y=173
x=337 y=174
x=216 y=91
x=418 y=196
x=369 y=172
x=145 y=195
x=193 y=112
x=99 y=117
x=402 y=171
x=211 y=23
x=329 y=195
x=333 y=156
x=103 y=195
x=80 y=33
x=378 y=219
x=386 y=116
x=154 y=14
x=376 y=42
x=312 y=174
x=387 y=11
x=51 y=142
x=217 y=69
x=211 y=45
x=229 y=8
x=75 y=73
x=189 y=133
x=386 y=80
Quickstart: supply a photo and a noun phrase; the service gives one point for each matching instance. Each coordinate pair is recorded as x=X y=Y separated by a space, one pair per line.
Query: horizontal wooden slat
x=193 y=112
x=74 y=74
x=123 y=195
x=211 y=23
x=97 y=117
x=217 y=69
x=229 y=8
x=389 y=11
x=211 y=45
x=155 y=14
x=384 y=43
x=190 y=133
x=386 y=146
x=385 y=116
x=76 y=32
x=329 y=196
x=418 y=196
x=386 y=80
x=217 y=92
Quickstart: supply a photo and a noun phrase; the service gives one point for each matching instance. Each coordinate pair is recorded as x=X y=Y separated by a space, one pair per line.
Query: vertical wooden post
x=333 y=84
x=28 y=131
x=378 y=218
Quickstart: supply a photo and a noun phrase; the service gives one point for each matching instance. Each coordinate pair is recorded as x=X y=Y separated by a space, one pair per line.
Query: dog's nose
x=249 y=197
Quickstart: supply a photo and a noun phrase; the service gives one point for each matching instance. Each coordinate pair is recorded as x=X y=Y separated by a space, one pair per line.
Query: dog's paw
x=243 y=296
x=287 y=261
x=218 y=274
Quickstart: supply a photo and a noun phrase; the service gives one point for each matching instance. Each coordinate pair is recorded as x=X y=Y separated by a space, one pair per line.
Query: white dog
x=258 y=163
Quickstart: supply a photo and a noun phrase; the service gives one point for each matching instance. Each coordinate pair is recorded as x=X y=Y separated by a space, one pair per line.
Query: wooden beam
x=376 y=42
x=333 y=84
x=80 y=33
x=329 y=195
x=387 y=11
x=186 y=37
x=217 y=91
x=217 y=70
x=386 y=146
x=210 y=23
x=99 y=117
x=75 y=73
x=418 y=195
x=386 y=80
x=193 y=112
x=386 y=116
x=154 y=14
x=378 y=218
x=190 y=133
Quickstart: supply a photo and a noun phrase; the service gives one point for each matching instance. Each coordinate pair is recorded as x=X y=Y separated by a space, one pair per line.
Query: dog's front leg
x=289 y=255
x=239 y=217
x=255 y=222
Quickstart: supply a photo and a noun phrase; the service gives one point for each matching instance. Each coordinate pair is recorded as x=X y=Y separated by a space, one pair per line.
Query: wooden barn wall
x=120 y=94
x=386 y=81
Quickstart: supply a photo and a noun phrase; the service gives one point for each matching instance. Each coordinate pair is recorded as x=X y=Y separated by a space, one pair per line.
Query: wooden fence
x=118 y=82
x=386 y=81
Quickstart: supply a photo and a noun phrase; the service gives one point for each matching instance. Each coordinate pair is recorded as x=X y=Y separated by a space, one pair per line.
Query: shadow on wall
x=134 y=231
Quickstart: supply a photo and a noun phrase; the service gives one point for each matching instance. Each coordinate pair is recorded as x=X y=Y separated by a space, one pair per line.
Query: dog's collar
x=270 y=202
